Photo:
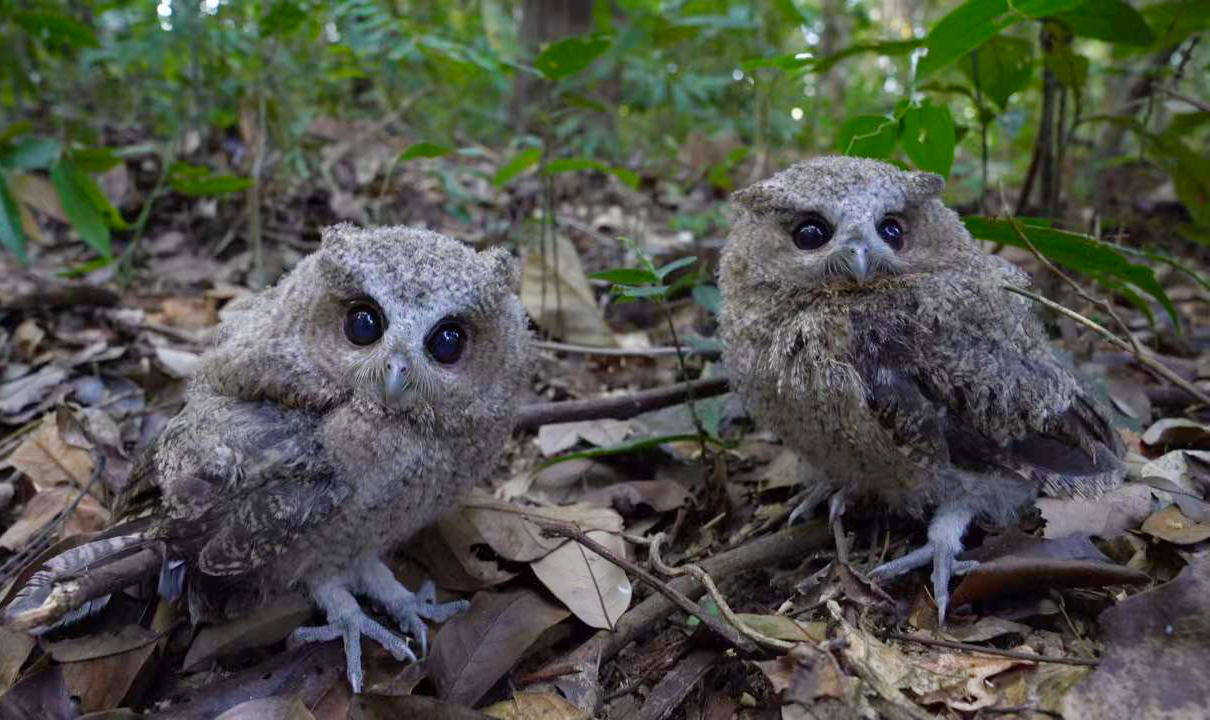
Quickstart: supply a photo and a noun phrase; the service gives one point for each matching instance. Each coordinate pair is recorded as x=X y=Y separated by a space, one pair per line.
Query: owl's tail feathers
x=79 y=581
x=1065 y=471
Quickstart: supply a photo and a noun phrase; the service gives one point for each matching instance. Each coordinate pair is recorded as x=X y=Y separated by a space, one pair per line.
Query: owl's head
x=401 y=318
x=835 y=221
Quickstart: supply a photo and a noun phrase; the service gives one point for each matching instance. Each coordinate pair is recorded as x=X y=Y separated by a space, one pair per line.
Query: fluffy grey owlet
x=336 y=414
x=862 y=323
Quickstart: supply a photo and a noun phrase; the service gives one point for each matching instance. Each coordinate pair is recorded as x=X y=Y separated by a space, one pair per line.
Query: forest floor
x=1088 y=608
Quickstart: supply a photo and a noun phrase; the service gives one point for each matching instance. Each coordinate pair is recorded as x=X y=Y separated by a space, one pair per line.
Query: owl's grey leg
x=945 y=542
x=346 y=620
x=408 y=609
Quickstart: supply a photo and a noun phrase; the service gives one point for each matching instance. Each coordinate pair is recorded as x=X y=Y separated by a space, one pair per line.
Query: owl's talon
x=350 y=626
x=409 y=609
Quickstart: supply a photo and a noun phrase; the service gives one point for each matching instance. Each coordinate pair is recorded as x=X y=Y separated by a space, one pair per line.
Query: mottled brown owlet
x=862 y=323
x=336 y=414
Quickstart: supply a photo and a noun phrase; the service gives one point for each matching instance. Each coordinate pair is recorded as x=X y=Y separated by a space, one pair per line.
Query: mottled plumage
x=892 y=359
x=302 y=455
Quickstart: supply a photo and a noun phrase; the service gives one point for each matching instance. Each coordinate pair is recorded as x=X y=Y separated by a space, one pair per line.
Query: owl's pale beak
x=856 y=259
x=395 y=384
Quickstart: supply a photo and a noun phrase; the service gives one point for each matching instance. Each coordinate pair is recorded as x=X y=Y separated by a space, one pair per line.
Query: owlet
x=336 y=414
x=862 y=323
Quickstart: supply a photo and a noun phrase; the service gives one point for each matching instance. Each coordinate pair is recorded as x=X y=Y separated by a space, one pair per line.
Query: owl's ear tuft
x=924 y=185
x=749 y=197
x=506 y=267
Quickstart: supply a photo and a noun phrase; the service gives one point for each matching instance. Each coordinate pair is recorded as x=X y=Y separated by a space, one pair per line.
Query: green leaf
x=95 y=159
x=1070 y=69
x=1074 y=251
x=889 y=48
x=20 y=127
x=1178 y=19
x=789 y=63
x=675 y=265
x=872 y=136
x=977 y=21
x=36 y=153
x=12 y=235
x=424 y=150
x=516 y=166
x=568 y=57
x=88 y=186
x=644 y=292
x=709 y=297
x=200 y=181
x=1005 y=66
x=620 y=449
x=87 y=267
x=562 y=165
x=927 y=136
x=1109 y=20
x=84 y=216
x=626 y=276
x=282 y=19
x=51 y=27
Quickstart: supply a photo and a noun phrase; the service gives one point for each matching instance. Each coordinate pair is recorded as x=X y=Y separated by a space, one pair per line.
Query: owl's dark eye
x=363 y=324
x=446 y=342
x=812 y=233
x=891 y=231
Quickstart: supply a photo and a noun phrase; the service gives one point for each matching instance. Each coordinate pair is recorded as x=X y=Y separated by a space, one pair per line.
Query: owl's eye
x=812 y=233
x=891 y=231
x=446 y=342
x=363 y=324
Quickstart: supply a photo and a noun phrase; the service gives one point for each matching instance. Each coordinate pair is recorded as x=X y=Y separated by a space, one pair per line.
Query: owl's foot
x=945 y=542
x=346 y=620
x=407 y=608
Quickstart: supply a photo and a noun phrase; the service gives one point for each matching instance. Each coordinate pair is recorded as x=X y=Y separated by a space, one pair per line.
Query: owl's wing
x=240 y=491
x=984 y=400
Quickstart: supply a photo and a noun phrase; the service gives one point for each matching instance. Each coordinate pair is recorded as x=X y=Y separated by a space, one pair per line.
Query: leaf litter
x=94 y=373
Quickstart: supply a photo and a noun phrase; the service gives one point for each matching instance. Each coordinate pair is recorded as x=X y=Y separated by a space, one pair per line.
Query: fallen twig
x=992 y=651
x=619 y=408
x=622 y=352
x=1142 y=356
x=723 y=630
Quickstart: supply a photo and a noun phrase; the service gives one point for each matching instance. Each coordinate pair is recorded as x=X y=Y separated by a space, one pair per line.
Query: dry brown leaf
x=960 y=679
x=556 y=293
x=290 y=707
x=47 y=459
x=534 y=706
x=177 y=363
x=40 y=695
x=1171 y=524
x=593 y=588
x=26 y=396
x=1106 y=516
x=27 y=337
x=781 y=472
x=189 y=313
x=1177 y=432
x=785 y=628
x=39 y=193
x=102 y=644
x=14 y=650
x=88 y=516
x=554 y=438
x=451 y=552
x=659 y=495
x=263 y=626
x=474 y=649
x=514 y=532
x=101 y=683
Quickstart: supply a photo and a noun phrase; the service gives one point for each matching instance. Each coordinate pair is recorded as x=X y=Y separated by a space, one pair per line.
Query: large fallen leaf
x=534 y=706
x=1171 y=524
x=15 y=647
x=515 y=531
x=270 y=708
x=458 y=557
x=102 y=644
x=88 y=516
x=41 y=695
x=102 y=682
x=46 y=458
x=1177 y=432
x=1157 y=658
x=659 y=495
x=554 y=438
x=556 y=293
x=23 y=396
x=263 y=626
x=177 y=363
x=474 y=649
x=593 y=588
x=409 y=707
x=1106 y=516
